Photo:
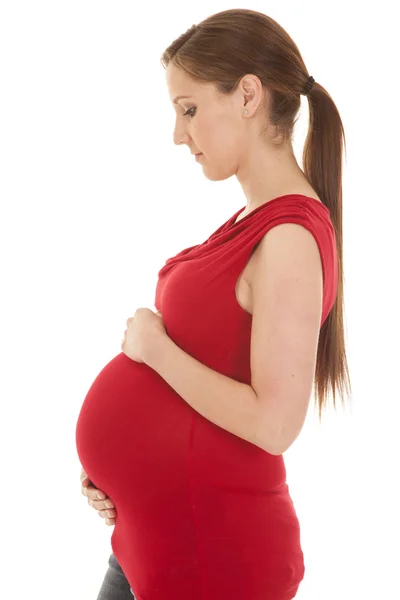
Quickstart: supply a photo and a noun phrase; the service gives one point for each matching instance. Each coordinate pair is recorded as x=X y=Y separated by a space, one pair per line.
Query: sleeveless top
x=201 y=514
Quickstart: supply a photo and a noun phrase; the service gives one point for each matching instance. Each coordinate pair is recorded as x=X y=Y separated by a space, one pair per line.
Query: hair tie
x=309 y=85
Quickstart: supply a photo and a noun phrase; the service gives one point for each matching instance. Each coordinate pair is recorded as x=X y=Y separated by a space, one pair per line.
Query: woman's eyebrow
x=179 y=97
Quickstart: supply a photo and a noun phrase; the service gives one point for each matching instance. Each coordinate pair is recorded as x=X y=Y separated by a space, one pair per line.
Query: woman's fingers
x=98 y=500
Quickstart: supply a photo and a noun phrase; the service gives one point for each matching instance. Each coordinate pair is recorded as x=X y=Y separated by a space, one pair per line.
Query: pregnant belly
x=133 y=432
x=177 y=481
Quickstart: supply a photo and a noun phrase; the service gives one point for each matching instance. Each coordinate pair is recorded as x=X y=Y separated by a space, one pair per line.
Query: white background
x=95 y=196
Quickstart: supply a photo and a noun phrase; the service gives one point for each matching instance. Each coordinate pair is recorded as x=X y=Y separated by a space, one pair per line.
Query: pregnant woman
x=183 y=432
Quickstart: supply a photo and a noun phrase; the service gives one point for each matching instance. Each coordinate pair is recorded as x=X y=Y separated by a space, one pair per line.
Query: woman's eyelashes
x=189 y=113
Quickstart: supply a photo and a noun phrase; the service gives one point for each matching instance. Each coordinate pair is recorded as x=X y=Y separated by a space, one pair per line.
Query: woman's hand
x=143 y=331
x=103 y=505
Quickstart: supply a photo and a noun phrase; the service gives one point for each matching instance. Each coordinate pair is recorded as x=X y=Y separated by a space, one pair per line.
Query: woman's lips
x=197 y=156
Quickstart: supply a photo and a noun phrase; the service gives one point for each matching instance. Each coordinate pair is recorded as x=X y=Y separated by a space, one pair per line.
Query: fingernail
x=101 y=496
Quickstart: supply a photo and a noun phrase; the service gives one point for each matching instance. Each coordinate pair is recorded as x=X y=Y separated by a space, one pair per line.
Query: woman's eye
x=189 y=113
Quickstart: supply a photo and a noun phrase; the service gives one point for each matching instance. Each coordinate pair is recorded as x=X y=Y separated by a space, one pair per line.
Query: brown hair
x=232 y=43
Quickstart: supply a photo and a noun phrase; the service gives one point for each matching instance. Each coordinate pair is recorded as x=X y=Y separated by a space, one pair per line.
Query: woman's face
x=207 y=123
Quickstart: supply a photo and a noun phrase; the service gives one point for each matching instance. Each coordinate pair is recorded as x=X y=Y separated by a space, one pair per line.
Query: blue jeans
x=115 y=585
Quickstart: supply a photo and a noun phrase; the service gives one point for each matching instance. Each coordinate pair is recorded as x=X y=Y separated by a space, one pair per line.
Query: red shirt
x=201 y=513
